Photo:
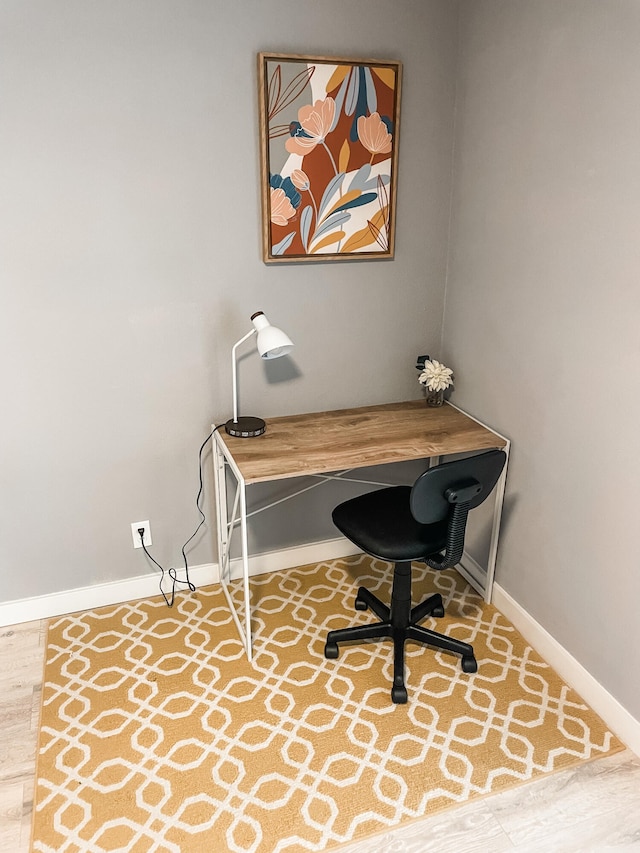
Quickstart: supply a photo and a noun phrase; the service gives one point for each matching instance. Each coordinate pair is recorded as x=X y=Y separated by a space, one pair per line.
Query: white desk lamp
x=271 y=343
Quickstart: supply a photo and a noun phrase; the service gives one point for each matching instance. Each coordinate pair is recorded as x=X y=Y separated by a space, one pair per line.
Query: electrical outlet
x=136 y=536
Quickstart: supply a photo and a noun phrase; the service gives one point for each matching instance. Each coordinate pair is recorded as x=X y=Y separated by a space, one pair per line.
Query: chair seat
x=381 y=524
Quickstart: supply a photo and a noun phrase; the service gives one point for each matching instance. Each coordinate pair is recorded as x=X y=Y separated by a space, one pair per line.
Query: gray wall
x=543 y=306
x=129 y=247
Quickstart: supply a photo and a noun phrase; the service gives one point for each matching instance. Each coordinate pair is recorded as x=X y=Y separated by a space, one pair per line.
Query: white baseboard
x=289 y=558
x=146 y=586
x=473 y=573
x=98 y=595
x=617 y=718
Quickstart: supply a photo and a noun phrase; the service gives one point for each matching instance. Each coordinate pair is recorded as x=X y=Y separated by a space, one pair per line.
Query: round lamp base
x=245 y=427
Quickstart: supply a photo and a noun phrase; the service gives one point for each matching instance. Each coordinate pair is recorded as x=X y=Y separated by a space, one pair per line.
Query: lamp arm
x=234 y=372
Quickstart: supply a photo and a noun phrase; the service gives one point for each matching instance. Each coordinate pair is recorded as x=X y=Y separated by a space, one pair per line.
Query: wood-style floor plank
x=578 y=809
x=21 y=664
x=468 y=829
x=588 y=809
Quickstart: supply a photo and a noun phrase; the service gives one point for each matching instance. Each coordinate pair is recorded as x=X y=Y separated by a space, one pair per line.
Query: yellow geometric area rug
x=158 y=735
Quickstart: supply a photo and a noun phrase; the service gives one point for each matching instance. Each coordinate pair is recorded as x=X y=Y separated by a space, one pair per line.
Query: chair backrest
x=472 y=478
x=449 y=491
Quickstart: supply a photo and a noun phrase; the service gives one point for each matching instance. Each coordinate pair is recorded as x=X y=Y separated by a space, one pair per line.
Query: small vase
x=435 y=398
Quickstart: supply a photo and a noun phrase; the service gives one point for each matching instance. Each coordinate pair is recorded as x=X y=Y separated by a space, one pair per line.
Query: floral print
x=313 y=124
x=300 y=180
x=374 y=135
x=331 y=145
x=281 y=208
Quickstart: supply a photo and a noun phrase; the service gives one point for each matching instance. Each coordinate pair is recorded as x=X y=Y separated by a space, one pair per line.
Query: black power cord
x=173 y=572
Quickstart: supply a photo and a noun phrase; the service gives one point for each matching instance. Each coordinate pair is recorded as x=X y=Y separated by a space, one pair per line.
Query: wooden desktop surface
x=320 y=442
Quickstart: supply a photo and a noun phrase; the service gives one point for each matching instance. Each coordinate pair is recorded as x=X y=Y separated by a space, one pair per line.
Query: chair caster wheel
x=469 y=664
x=438 y=612
x=360 y=604
x=331 y=651
x=398 y=695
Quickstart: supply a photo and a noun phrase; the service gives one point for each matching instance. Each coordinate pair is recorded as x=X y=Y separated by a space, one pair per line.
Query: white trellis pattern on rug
x=157 y=734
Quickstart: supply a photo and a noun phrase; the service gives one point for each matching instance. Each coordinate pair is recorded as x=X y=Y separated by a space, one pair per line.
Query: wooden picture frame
x=329 y=131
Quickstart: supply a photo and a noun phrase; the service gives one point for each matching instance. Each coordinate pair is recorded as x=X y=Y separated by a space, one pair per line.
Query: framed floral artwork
x=329 y=157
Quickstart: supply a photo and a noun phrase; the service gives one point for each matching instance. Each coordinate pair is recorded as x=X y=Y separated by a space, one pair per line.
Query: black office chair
x=425 y=522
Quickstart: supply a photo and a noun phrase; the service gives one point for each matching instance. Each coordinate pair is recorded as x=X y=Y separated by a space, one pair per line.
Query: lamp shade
x=271 y=341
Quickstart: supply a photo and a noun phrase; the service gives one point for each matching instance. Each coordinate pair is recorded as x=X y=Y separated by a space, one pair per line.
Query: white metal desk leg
x=245 y=565
x=228 y=519
x=495 y=530
x=222 y=513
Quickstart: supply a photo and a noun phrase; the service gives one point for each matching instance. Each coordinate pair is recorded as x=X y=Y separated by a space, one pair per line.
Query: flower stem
x=333 y=162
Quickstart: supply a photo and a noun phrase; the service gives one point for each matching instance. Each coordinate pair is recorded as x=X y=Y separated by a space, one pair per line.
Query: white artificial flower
x=436 y=376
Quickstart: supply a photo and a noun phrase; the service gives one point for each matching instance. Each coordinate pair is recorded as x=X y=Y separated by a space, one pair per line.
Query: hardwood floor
x=592 y=808
x=21 y=664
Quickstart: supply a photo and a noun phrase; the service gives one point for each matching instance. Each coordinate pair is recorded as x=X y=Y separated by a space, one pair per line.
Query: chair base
x=400 y=623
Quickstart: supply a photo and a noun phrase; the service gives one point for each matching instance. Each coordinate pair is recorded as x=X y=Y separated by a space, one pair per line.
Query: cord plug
x=141 y=534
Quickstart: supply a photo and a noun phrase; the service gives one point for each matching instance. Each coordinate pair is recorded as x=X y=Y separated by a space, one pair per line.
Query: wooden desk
x=323 y=442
